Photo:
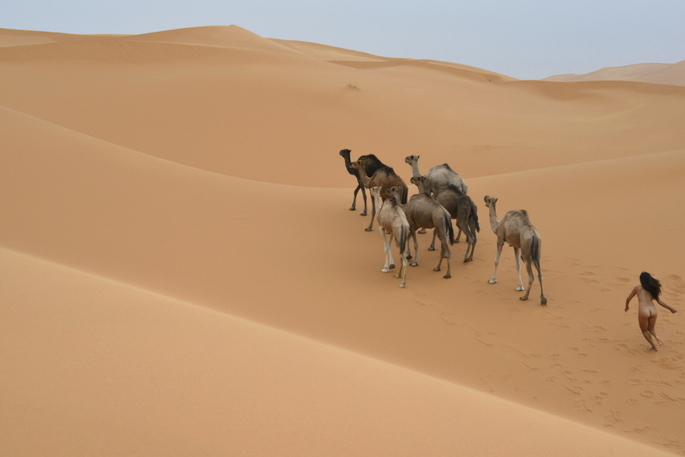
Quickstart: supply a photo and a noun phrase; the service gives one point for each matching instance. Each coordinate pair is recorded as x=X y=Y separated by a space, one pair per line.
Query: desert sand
x=180 y=273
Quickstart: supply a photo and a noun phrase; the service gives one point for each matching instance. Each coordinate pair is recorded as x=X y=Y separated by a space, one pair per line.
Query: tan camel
x=439 y=175
x=392 y=223
x=424 y=212
x=461 y=208
x=384 y=178
x=371 y=165
x=515 y=228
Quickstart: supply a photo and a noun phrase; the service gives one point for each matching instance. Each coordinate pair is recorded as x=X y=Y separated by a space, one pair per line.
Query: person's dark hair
x=651 y=285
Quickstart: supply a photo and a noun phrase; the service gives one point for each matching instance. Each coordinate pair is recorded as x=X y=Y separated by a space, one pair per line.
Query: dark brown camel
x=384 y=177
x=371 y=164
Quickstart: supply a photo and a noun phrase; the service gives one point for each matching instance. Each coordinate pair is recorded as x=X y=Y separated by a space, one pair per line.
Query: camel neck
x=493 y=217
x=415 y=168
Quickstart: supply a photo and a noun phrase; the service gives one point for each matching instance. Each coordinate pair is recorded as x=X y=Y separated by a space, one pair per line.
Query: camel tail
x=474 y=213
x=402 y=241
x=450 y=229
x=535 y=248
x=405 y=192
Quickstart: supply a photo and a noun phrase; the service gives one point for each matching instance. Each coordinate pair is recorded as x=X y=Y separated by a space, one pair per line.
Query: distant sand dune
x=656 y=73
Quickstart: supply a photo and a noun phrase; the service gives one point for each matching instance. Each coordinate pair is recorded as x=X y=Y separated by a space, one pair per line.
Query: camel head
x=489 y=200
x=411 y=159
x=345 y=152
x=421 y=182
x=391 y=192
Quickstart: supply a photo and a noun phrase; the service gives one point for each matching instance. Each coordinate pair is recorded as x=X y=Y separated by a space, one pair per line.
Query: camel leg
x=500 y=244
x=415 y=263
x=373 y=215
x=435 y=234
x=403 y=270
x=361 y=186
x=531 y=278
x=517 y=255
x=474 y=240
x=354 y=199
x=444 y=254
x=468 y=255
x=387 y=244
x=543 y=299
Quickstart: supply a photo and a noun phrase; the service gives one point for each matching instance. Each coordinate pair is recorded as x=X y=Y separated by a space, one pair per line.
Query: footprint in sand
x=669 y=363
x=614 y=418
x=587 y=276
x=647 y=393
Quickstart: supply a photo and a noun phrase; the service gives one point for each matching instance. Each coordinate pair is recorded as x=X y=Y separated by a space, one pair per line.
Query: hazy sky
x=526 y=39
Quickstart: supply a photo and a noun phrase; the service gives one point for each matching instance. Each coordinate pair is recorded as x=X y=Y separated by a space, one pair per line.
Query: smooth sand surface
x=180 y=273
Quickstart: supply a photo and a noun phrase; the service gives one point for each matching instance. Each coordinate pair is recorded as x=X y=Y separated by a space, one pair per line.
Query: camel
x=384 y=178
x=461 y=208
x=371 y=165
x=439 y=175
x=423 y=211
x=392 y=223
x=515 y=228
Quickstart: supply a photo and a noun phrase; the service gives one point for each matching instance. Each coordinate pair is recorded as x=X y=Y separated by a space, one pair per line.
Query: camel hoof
x=431 y=248
x=543 y=302
x=447 y=276
x=414 y=264
x=409 y=257
x=402 y=286
x=422 y=231
x=436 y=269
x=392 y=267
x=524 y=298
x=520 y=288
x=368 y=229
x=352 y=208
x=385 y=270
x=363 y=214
x=492 y=281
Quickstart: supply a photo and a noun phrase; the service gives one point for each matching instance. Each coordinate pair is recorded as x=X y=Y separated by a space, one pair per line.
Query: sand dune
x=181 y=271
x=656 y=73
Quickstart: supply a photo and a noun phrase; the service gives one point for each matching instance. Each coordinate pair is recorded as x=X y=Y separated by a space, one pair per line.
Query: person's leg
x=651 y=327
x=643 y=320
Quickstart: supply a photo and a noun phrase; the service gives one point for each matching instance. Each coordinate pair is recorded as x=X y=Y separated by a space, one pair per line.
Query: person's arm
x=630 y=297
x=665 y=305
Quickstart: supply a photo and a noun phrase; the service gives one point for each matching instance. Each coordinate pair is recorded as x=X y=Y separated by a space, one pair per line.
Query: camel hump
x=447 y=166
x=454 y=188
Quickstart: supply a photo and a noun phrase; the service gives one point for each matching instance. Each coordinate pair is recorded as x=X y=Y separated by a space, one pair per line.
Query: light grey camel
x=424 y=212
x=515 y=228
x=384 y=178
x=439 y=175
x=393 y=224
x=371 y=165
x=461 y=208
